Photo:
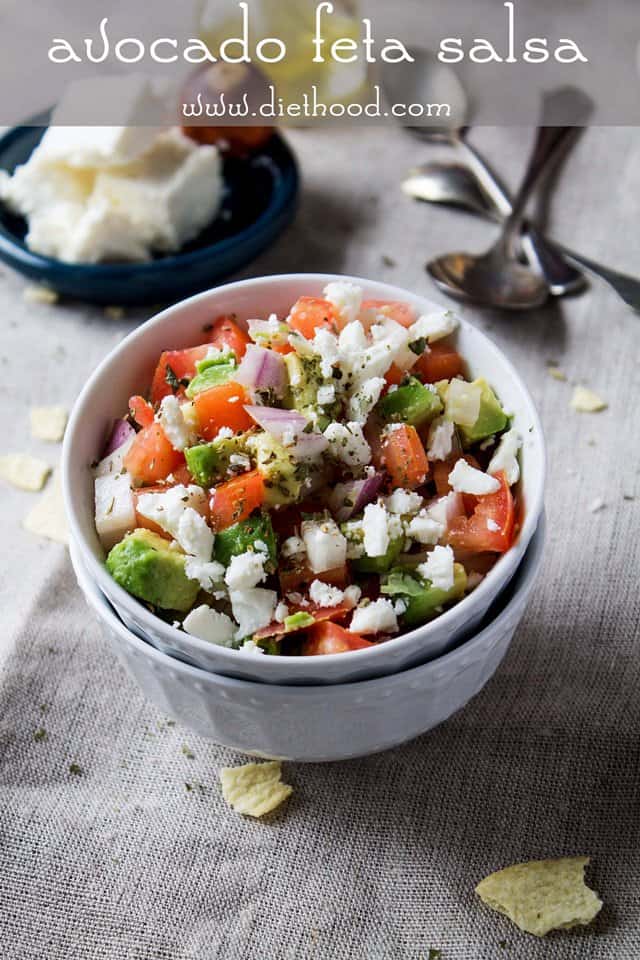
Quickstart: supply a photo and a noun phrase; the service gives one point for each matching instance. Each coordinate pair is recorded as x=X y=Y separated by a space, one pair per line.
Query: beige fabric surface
x=375 y=858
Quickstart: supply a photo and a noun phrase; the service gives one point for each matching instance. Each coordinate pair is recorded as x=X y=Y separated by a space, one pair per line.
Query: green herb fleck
x=75 y=770
x=434 y=954
x=40 y=734
x=173 y=380
x=187 y=752
x=418 y=346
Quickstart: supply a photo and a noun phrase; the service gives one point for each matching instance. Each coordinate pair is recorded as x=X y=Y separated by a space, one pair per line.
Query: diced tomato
x=404 y=457
x=282 y=348
x=402 y=313
x=236 y=500
x=183 y=366
x=440 y=362
x=141 y=411
x=319 y=614
x=293 y=577
x=309 y=313
x=222 y=406
x=494 y=509
x=327 y=637
x=151 y=457
x=225 y=332
x=393 y=376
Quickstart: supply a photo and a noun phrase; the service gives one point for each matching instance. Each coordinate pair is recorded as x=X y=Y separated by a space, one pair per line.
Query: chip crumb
x=596 y=505
x=48 y=519
x=587 y=401
x=114 y=313
x=39 y=294
x=542 y=895
x=24 y=471
x=48 y=423
x=557 y=374
x=254 y=789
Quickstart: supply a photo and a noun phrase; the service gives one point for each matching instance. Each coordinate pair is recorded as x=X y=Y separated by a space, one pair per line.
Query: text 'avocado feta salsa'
x=317 y=484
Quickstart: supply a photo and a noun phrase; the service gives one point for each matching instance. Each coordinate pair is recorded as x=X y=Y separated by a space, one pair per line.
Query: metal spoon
x=432 y=184
x=427 y=80
x=497 y=278
x=457 y=186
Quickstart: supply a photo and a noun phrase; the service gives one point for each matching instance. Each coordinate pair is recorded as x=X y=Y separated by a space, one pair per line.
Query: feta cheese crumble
x=209 y=574
x=425 y=529
x=292 y=547
x=325 y=545
x=438 y=568
x=347 y=443
x=245 y=571
x=346 y=298
x=210 y=625
x=434 y=326
x=506 y=457
x=440 y=440
x=252 y=609
x=467 y=479
x=375 y=530
x=403 y=502
x=171 y=419
x=376 y=617
x=324 y=595
x=178 y=512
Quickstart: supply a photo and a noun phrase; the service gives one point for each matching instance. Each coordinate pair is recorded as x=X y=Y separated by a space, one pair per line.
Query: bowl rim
x=499 y=573
x=524 y=579
x=16 y=250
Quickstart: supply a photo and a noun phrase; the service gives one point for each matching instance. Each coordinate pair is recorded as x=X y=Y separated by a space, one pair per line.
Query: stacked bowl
x=301 y=708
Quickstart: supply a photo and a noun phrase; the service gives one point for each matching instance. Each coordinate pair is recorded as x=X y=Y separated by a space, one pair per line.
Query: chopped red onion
x=288 y=427
x=349 y=499
x=120 y=433
x=262 y=369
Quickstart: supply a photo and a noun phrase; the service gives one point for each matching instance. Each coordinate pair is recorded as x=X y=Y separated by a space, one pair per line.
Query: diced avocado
x=243 y=536
x=208 y=462
x=213 y=374
x=421 y=598
x=282 y=475
x=145 y=565
x=380 y=564
x=412 y=403
x=298 y=621
x=491 y=419
x=305 y=378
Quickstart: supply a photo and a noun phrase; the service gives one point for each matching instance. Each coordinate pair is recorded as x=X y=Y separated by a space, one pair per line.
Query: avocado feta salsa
x=319 y=484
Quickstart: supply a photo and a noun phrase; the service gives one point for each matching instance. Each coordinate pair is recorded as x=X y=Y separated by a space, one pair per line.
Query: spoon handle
x=549 y=143
x=627 y=288
x=486 y=177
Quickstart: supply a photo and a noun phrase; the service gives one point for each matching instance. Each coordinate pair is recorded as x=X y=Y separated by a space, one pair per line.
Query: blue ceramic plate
x=259 y=202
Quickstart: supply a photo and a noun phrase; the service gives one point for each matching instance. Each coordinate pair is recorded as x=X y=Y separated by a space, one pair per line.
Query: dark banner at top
x=418 y=62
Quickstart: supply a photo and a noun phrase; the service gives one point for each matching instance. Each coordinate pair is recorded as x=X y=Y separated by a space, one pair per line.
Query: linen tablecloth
x=115 y=843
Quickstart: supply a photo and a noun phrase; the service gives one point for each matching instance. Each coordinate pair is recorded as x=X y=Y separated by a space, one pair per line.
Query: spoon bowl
x=450 y=184
x=490 y=280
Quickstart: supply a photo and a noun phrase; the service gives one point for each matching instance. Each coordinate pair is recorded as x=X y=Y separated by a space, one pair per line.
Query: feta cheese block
x=169 y=195
x=115 y=508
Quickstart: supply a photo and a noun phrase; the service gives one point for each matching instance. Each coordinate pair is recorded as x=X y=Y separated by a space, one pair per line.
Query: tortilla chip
x=254 y=788
x=48 y=519
x=36 y=294
x=48 y=423
x=24 y=472
x=586 y=401
x=542 y=895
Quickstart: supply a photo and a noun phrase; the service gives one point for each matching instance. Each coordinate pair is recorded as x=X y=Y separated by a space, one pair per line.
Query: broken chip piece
x=48 y=519
x=542 y=895
x=24 y=472
x=38 y=294
x=587 y=401
x=254 y=789
x=48 y=423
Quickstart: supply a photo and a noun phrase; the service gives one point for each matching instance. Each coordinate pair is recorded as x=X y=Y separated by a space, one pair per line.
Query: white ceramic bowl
x=318 y=723
x=129 y=368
